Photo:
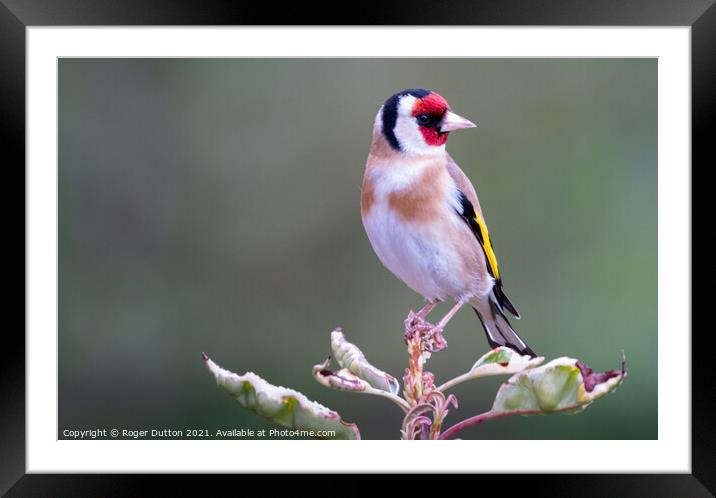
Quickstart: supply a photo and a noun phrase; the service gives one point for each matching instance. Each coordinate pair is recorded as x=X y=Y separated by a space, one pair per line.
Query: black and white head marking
x=390 y=110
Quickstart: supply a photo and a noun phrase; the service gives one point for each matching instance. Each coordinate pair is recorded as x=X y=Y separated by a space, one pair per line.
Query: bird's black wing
x=479 y=228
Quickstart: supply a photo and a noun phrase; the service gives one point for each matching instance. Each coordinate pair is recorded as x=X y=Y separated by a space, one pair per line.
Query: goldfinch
x=423 y=218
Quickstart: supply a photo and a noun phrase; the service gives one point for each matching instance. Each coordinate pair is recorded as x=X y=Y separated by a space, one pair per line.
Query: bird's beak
x=452 y=121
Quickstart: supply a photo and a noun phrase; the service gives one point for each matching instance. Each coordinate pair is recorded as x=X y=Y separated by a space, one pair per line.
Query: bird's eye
x=424 y=119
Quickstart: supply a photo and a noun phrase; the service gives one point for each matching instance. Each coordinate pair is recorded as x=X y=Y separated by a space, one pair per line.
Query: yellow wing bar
x=479 y=228
x=487 y=246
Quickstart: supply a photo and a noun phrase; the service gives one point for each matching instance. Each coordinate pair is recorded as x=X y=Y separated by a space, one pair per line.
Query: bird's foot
x=434 y=341
x=416 y=326
x=430 y=336
x=425 y=310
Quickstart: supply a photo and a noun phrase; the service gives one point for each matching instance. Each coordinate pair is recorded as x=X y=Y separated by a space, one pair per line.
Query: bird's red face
x=418 y=121
x=428 y=113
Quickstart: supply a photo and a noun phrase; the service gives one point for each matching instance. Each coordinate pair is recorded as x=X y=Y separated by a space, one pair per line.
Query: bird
x=424 y=220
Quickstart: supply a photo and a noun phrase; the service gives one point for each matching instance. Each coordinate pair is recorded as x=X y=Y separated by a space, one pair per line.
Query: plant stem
x=413 y=381
x=457 y=380
x=404 y=405
x=468 y=422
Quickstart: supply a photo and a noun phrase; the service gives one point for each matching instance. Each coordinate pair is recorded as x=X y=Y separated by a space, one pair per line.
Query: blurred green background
x=213 y=205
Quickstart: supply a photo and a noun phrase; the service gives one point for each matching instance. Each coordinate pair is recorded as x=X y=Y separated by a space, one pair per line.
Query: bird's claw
x=415 y=325
x=430 y=336
x=434 y=341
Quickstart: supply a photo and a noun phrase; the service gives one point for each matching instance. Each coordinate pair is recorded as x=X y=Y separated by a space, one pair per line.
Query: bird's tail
x=498 y=330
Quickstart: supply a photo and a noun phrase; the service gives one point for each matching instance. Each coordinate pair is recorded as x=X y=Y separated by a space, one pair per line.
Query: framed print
x=218 y=280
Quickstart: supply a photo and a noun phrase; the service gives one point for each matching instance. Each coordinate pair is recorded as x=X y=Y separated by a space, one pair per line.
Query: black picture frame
x=16 y=15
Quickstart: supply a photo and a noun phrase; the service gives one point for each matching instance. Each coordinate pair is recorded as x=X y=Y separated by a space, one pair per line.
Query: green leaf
x=281 y=405
x=502 y=361
x=499 y=361
x=563 y=385
x=350 y=357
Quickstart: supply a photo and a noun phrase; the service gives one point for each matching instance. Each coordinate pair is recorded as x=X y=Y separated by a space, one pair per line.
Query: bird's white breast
x=428 y=253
